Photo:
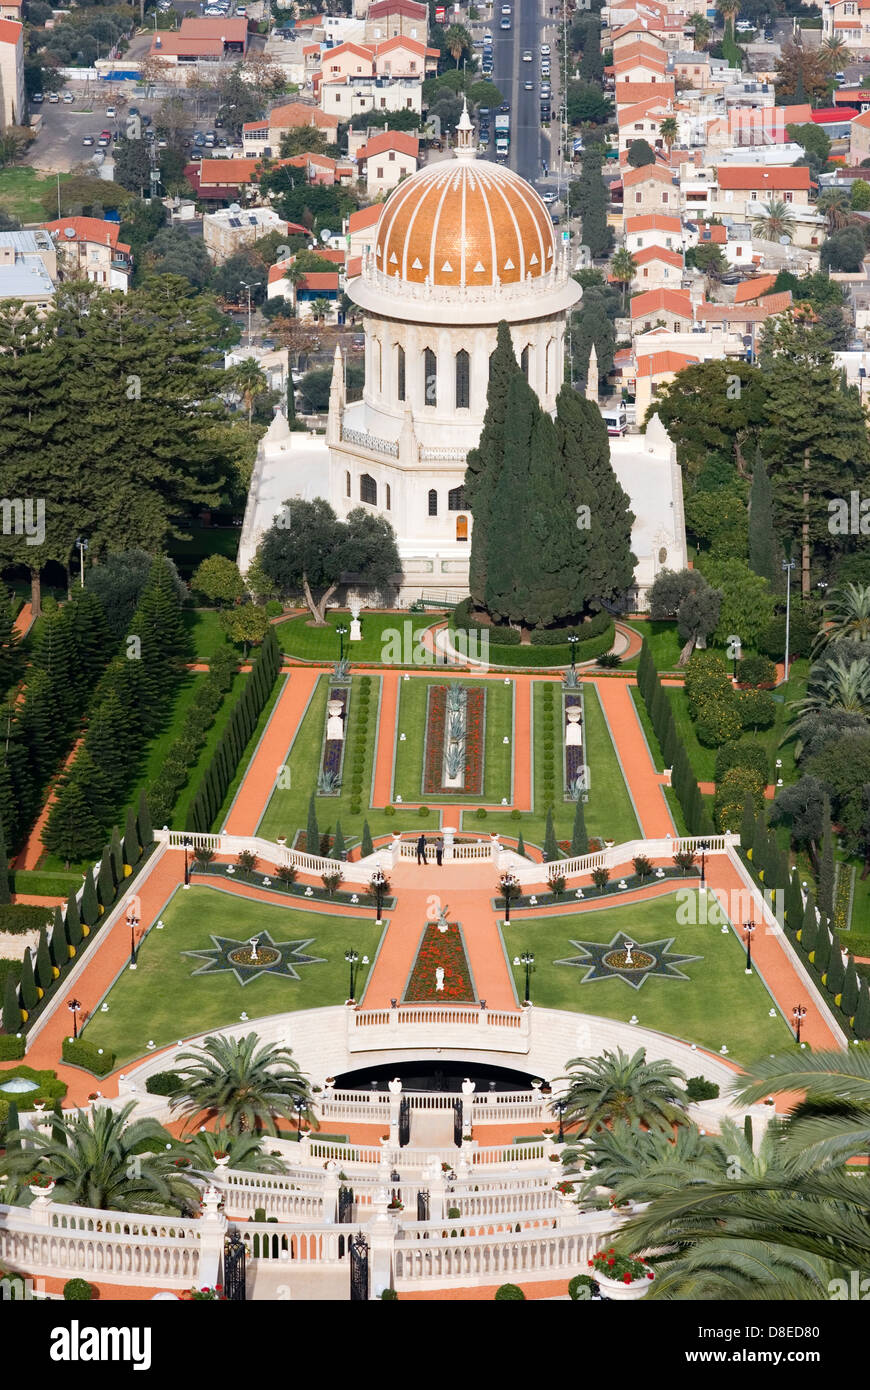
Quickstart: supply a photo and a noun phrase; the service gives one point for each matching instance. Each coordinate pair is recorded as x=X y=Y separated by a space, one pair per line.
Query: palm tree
x=832 y=1123
x=701 y=29
x=245 y=1151
x=836 y=684
x=848 y=614
x=628 y=1153
x=320 y=308
x=618 y=1087
x=245 y=1089
x=250 y=380
x=668 y=130
x=728 y=8
x=623 y=268
x=101 y=1160
x=457 y=40
x=775 y=222
x=834 y=53
x=837 y=207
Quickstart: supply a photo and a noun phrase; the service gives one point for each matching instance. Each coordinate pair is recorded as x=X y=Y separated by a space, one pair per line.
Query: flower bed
x=433 y=758
x=611 y=889
x=447 y=950
x=332 y=756
x=572 y=753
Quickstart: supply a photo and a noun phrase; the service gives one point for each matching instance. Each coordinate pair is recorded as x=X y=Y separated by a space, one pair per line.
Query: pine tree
x=521 y=845
x=27 y=983
x=836 y=970
x=861 y=1024
x=11 y=1007
x=338 y=846
x=762 y=534
x=117 y=855
x=551 y=844
x=75 y=822
x=72 y=922
x=850 y=989
x=826 y=863
x=367 y=847
x=143 y=823
x=106 y=885
x=131 y=839
x=484 y=464
x=5 y=894
x=59 y=944
x=312 y=834
x=579 y=838
x=44 y=975
x=592 y=199
x=89 y=908
x=809 y=927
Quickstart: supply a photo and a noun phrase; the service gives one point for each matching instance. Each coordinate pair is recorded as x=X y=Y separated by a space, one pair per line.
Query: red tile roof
x=749 y=178
x=658 y=363
x=653 y=221
x=658 y=253
x=364 y=217
x=407 y=9
x=670 y=301
x=10 y=31
x=231 y=30
x=647 y=171
x=86 y=229
x=629 y=93
x=390 y=140
x=754 y=289
x=319 y=280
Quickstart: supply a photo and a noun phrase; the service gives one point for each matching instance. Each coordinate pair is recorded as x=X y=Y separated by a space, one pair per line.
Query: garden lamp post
x=749 y=928
x=526 y=959
x=187 y=842
x=560 y=1106
x=573 y=639
x=341 y=633
x=300 y=1106
x=74 y=1005
x=798 y=1013
x=508 y=884
x=132 y=923
x=379 y=881
x=352 y=957
x=788 y=566
x=703 y=847
x=254 y=286
x=82 y=543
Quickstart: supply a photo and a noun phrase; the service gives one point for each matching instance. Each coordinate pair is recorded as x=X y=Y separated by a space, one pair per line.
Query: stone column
x=330 y=1192
x=467 y=1104
x=211 y=1245
x=381 y=1234
x=447 y=835
x=395 y=1089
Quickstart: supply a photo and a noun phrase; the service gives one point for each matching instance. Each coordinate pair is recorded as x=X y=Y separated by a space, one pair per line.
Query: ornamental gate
x=457 y=1123
x=359 y=1269
x=422 y=1206
x=345 y=1204
x=234 y=1268
x=404 y=1122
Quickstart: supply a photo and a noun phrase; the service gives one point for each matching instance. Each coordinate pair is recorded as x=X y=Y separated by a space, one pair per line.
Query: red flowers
x=444 y=950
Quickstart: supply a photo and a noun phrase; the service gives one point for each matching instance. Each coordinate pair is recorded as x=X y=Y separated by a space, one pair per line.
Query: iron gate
x=404 y=1122
x=422 y=1206
x=345 y=1204
x=359 y=1269
x=457 y=1123
x=234 y=1268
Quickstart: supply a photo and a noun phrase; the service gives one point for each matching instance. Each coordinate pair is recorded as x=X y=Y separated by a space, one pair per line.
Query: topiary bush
x=80 y=1053
x=507 y=1293
x=718 y=721
x=756 y=670
x=11 y=1047
x=581 y=1287
x=389 y=1296
x=481 y=813
x=78 y=1291
x=699 y=1088
x=163 y=1083
x=757 y=709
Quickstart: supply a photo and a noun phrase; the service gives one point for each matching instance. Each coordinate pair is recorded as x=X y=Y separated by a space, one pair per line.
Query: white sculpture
x=442 y=919
x=439 y=978
x=335 y=723
x=355 y=629
x=573 y=734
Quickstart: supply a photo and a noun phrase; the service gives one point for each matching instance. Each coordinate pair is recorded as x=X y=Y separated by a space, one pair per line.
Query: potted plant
x=396 y=1205
x=40 y=1184
x=207 y=1294
x=221 y=1158
x=621 y=1277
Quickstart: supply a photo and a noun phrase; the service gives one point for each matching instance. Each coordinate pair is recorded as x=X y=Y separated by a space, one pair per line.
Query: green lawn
x=408 y=771
x=204 y=541
x=719 y=1003
x=664 y=644
x=311 y=643
x=162 y=1000
x=197 y=772
x=608 y=813
x=204 y=629
x=21 y=191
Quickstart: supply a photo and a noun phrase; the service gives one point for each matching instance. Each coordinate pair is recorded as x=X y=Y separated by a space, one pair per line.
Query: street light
x=527 y=958
x=573 y=639
x=132 y=923
x=82 y=543
x=788 y=566
x=341 y=633
x=798 y=1013
x=187 y=842
x=560 y=1106
x=74 y=1005
x=352 y=957
x=508 y=884
x=300 y=1106
x=379 y=882
x=254 y=286
x=703 y=847
x=749 y=928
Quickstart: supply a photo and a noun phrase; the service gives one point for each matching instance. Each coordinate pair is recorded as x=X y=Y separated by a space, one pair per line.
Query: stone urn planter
x=221 y=1160
x=617 y=1291
x=41 y=1190
x=621 y=1277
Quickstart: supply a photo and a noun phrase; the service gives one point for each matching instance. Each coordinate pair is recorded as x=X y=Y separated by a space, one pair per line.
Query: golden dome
x=467 y=223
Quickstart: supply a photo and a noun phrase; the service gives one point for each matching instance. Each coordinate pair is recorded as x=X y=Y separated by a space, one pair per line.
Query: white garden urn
x=618 y=1291
x=355 y=629
x=573 y=733
x=335 y=723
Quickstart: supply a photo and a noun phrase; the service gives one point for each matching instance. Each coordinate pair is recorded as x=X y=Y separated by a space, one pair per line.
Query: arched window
x=525 y=358
x=433 y=502
x=368 y=490
x=389 y=496
x=400 y=373
x=463 y=383
x=462 y=528
x=347 y=485
x=456 y=499
x=430 y=378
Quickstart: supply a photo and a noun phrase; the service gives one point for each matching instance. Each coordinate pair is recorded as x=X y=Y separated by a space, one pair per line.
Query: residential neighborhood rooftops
x=656 y=301
x=748 y=178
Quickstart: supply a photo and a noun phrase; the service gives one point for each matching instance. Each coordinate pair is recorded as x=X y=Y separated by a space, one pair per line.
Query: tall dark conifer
x=484 y=464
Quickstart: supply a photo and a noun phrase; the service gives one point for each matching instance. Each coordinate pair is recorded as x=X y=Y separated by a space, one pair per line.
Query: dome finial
x=464 y=134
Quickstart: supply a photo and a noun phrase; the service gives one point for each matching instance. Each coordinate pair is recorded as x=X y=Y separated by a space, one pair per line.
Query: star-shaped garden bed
x=272 y=957
x=604 y=960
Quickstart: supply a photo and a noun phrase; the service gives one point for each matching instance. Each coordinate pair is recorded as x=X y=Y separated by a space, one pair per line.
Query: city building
x=88 y=248
x=385 y=159
x=12 y=95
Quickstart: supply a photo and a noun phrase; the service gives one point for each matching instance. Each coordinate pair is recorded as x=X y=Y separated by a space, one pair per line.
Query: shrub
x=731 y=796
x=389 y=1296
x=509 y=1293
x=355 y=808
x=699 y=1088
x=600 y=877
x=78 y=1291
x=609 y=661
x=274 y=608
x=453 y=1213
x=756 y=708
x=481 y=813
x=642 y=866
x=389 y=810
x=21 y=917
x=516 y=814
x=706 y=679
x=422 y=812
x=756 y=670
x=163 y=1083
x=581 y=1287
x=719 y=721
x=557 y=883
x=11 y=1047
x=748 y=755
x=80 y=1053
x=685 y=859
x=259 y=1213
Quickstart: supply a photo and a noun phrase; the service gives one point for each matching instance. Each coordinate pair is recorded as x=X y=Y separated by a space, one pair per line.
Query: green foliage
x=80 y=1053
x=163 y=1083
x=11 y=1047
x=78 y=1291
x=699 y=1088
x=506 y=1293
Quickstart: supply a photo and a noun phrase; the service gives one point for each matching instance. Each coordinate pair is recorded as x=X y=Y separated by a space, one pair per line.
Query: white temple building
x=459 y=246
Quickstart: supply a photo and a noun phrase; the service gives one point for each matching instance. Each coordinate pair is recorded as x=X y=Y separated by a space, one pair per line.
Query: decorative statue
x=439 y=977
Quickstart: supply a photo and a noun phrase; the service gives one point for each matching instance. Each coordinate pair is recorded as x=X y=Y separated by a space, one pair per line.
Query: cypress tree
x=73 y=922
x=5 y=894
x=510 y=577
x=367 y=847
x=312 y=834
x=11 y=1008
x=338 y=847
x=89 y=907
x=861 y=1024
x=484 y=464
x=131 y=839
x=144 y=828
x=579 y=838
x=836 y=970
x=762 y=554
x=521 y=845
x=747 y=824
x=13 y=1124
x=551 y=844
x=705 y=824
x=671 y=740
x=824 y=950
x=793 y=902
x=106 y=880
x=44 y=975
x=759 y=850
x=826 y=863
x=27 y=983
x=592 y=198
x=809 y=927
x=58 y=944
x=850 y=989
x=117 y=855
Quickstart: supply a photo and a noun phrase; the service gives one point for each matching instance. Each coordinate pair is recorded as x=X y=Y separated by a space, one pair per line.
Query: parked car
x=88 y=140
x=37 y=98
x=550 y=196
x=53 y=98
x=199 y=139
x=545 y=50
x=111 y=111
x=68 y=98
x=103 y=143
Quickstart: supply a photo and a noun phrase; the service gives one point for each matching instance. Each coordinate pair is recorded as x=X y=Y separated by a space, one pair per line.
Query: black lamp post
x=379 y=881
x=352 y=957
x=74 y=1005
x=573 y=639
x=798 y=1013
x=703 y=847
x=508 y=883
x=187 y=842
x=342 y=633
x=300 y=1106
x=560 y=1106
x=527 y=959
x=749 y=928
x=132 y=923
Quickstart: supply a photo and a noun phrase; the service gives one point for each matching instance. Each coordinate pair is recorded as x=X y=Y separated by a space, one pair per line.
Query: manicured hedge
x=11 y=1047
x=21 y=917
x=163 y=1083
x=80 y=1053
x=184 y=752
